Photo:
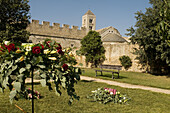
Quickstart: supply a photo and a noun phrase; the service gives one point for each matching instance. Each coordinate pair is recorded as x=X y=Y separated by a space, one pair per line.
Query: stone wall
x=113 y=52
x=71 y=37
x=116 y=50
x=55 y=31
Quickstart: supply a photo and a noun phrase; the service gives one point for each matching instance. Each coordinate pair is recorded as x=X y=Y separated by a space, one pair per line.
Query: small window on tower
x=72 y=45
x=90 y=20
x=84 y=20
x=90 y=27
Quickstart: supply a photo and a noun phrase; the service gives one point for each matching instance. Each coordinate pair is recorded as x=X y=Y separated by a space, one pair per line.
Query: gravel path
x=125 y=85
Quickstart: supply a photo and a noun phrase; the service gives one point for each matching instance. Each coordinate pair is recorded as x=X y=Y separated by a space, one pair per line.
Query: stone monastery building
x=115 y=45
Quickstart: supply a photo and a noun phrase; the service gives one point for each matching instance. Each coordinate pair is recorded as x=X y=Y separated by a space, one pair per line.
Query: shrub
x=125 y=61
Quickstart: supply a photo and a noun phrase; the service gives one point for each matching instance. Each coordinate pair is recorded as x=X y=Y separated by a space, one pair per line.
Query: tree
x=163 y=27
x=92 y=48
x=153 y=51
x=14 y=15
x=125 y=61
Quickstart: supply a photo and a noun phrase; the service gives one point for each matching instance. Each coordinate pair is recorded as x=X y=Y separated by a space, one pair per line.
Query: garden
x=141 y=101
x=60 y=88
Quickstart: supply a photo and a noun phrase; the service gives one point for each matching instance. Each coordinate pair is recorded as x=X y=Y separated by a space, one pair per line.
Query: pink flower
x=114 y=92
x=30 y=95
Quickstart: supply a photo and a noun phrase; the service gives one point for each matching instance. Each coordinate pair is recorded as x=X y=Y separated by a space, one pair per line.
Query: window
x=72 y=45
x=84 y=20
x=90 y=20
x=90 y=27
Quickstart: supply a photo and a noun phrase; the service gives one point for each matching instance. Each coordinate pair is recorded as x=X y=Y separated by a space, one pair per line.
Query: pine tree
x=14 y=15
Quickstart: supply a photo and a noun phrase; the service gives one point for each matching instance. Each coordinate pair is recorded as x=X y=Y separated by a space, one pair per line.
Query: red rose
x=5 y=45
x=65 y=67
x=11 y=47
x=42 y=47
x=60 y=52
x=36 y=50
x=47 y=43
x=59 y=47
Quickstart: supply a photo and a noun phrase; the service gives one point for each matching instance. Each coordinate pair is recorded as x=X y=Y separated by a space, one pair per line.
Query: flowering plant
x=27 y=94
x=105 y=95
x=48 y=58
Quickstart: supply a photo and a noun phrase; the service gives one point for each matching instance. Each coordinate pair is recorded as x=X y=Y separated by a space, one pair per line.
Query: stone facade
x=115 y=45
x=65 y=35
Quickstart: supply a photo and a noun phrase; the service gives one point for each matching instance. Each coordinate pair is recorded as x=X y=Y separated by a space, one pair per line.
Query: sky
x=119 y=14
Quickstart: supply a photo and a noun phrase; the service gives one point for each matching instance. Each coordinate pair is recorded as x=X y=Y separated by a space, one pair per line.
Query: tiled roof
x=113 y=38
x=105 y=29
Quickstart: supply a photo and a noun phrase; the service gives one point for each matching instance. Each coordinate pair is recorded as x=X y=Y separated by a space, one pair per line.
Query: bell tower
x=89 y=21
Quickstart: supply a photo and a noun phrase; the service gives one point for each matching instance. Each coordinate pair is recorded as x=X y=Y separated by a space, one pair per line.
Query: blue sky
x=116 y=13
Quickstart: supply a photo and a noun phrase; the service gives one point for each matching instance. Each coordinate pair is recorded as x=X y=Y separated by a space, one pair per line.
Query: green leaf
x=28 y=66
x=5 y=82
x=43 y=82
x=63 y=82
x=14 y=67
x=52 y=42
x=21 y=77
x=43 y=75
x=12 y=95
x=57 y=92
x=22 y=70
x=77 y=76
x=40 y=59
x=17 y=86
x=9 y=72
x=16 y=61
x=70 y=101
x=41 y=66
x=10 y=65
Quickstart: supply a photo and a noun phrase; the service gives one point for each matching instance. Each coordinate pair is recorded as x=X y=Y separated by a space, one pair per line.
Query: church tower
x=89 y=21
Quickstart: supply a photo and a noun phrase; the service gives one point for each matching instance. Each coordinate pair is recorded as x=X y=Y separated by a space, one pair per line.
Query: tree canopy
x=14 y=15
x=153 y=51
x=92 y=48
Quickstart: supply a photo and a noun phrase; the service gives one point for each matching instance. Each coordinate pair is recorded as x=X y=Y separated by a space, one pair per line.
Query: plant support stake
x=32 y=89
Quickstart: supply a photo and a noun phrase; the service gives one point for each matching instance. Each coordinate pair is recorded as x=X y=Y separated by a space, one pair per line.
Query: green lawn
x=141 y=101
x=134 y=78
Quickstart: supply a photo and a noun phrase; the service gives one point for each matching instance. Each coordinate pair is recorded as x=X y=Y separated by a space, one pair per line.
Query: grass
x=141 y=101
x=134 y=78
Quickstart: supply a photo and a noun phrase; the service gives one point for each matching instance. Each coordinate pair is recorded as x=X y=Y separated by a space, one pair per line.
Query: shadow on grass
x=110 y=76
x=87 y=80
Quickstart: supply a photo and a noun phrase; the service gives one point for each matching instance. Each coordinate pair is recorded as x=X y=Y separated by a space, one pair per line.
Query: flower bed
x=106 y=95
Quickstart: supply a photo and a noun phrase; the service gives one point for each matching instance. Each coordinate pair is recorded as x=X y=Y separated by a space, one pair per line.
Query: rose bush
x=48 y=58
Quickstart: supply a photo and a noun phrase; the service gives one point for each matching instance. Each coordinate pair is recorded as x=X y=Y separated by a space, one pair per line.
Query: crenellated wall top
x=56 y=30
